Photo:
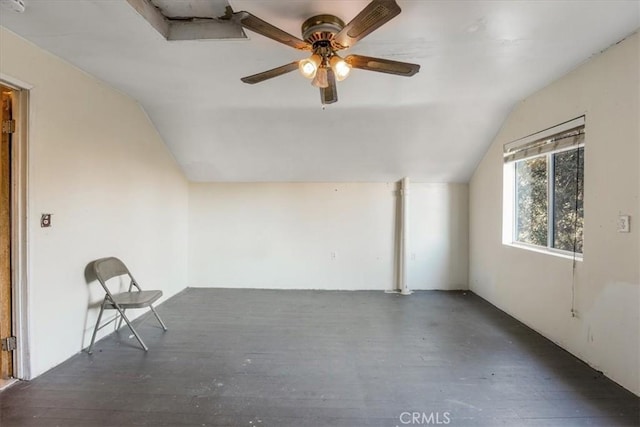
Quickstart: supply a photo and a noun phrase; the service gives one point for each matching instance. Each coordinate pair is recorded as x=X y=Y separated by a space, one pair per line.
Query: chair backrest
x=107 y=268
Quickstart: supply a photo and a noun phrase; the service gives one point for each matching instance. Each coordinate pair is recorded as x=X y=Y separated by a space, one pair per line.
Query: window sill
x=555 y=252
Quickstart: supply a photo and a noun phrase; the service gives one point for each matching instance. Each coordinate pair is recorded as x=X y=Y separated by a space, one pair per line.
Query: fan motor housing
x=321 y=28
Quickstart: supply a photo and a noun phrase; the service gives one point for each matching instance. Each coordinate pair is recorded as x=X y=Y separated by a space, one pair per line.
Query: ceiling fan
x=324 y=36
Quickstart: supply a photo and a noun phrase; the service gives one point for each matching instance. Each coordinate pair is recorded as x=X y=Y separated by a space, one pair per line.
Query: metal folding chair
x=109 y=268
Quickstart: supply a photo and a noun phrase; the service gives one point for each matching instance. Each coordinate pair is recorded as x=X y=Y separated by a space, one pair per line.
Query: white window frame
x=509 y=212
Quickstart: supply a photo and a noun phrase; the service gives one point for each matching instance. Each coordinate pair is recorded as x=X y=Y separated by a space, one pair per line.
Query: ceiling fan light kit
x=309 y=66
x=325 y=35
x=340 y=67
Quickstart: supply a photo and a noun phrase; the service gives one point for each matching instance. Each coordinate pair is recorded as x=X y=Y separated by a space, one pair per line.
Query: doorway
x=7 y=339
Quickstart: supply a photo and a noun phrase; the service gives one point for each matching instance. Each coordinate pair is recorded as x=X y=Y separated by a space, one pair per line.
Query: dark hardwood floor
x=320 y=358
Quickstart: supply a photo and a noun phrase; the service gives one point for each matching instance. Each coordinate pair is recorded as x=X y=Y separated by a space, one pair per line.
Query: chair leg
x=95 y=330
x=132 y=329
x=158 y=317
x=120 y=321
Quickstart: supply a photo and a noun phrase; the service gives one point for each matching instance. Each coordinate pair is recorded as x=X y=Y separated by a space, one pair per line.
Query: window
x=544 y=189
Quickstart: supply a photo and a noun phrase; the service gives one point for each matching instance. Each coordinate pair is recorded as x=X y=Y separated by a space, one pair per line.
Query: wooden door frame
x=6 y=310
x=19 y=226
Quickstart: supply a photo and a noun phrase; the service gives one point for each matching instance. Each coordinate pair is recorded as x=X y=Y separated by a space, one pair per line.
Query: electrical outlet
x=623 y=224
x=45 y=220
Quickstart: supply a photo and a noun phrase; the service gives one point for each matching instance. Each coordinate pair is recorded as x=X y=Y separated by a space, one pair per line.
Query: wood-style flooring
x=320 y=358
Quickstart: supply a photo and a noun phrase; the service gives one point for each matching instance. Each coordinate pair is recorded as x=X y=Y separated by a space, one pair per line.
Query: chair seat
x=135 y=299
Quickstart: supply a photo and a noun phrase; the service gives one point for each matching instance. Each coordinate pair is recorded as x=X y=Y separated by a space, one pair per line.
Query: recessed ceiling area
x=188 y=19
x=190 y=9
x=478 y=59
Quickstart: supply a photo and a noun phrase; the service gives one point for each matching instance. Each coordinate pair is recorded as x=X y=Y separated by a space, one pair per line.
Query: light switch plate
x=623 y=224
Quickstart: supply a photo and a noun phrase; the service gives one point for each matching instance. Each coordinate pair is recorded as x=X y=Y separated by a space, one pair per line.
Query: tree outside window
x=549 y=196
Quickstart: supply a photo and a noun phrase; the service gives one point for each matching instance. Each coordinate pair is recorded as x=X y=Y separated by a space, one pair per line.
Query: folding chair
x=108 y=268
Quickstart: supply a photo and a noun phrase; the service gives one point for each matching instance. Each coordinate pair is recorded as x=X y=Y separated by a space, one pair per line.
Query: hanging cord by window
x=575 y=234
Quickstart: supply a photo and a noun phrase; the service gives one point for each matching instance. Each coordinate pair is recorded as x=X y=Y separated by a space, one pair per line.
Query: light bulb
x=340 y=67
x=321 y=79
x=309 y=66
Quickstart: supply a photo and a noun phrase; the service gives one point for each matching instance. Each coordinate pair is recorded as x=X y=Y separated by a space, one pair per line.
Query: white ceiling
x=478 y=59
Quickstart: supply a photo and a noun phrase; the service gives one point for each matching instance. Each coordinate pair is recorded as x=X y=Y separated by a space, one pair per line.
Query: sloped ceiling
x=478 y=59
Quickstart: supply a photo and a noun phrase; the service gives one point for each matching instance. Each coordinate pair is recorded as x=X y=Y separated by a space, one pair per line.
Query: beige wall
x=283 y=236
x=98 y=165
x=537 y=288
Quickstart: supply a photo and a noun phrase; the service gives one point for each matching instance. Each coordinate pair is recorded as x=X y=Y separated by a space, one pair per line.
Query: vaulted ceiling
x=478 y=59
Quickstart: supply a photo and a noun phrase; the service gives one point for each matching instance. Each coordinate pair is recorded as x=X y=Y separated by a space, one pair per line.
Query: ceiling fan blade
x=266 y=75
x=382 y=65
x=372 y=17
x=259 y=26
x=329 y=94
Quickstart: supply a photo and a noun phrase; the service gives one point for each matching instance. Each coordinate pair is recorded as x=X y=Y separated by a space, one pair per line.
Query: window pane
x=531 y=201
x=568 y=210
